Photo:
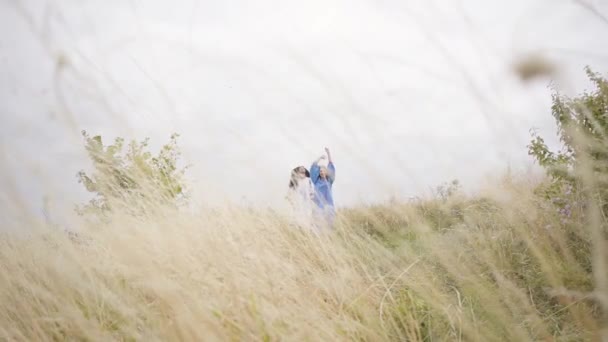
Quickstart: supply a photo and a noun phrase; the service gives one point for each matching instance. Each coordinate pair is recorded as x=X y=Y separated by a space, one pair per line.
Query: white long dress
x=301 y=202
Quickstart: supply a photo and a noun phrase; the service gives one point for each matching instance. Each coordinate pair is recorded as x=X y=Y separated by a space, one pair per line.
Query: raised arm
x=315 y=169
x=331 y=169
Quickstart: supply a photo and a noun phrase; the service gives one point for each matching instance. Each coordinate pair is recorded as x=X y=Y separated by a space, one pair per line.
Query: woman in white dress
x=301 y=195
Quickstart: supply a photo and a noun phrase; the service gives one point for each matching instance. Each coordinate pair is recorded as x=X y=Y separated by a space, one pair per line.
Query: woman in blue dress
x=323 y=179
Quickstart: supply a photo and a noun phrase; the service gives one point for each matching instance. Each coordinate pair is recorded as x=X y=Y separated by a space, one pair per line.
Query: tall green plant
x=582 y=123
x=130 y=177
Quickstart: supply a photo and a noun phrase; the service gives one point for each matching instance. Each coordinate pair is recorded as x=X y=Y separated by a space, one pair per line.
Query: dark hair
x=293 y=182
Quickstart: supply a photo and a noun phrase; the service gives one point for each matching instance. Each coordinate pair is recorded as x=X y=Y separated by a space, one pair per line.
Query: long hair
x=293 y=182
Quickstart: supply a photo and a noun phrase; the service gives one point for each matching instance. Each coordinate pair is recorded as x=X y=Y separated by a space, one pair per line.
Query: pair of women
x=311 y=193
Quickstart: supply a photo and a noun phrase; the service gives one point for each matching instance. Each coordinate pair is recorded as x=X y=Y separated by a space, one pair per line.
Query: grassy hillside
x=525 y=260
x=508 y=267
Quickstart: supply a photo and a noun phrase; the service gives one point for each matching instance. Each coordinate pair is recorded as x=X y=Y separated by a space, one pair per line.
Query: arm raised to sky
x=315 y=169
x=331 y=169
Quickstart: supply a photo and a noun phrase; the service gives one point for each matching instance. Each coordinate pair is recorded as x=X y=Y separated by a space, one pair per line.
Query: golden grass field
x=499 y=266
x=508 y=263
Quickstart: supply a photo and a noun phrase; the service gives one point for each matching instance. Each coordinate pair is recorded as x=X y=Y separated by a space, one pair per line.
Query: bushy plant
x=582 y=123
x=130 y=177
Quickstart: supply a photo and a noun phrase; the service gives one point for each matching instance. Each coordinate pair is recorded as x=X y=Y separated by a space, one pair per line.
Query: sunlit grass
x=483 y=268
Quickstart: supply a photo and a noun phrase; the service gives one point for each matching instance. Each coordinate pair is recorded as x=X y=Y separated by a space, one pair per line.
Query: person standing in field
x=300 y=196
x=323 y=179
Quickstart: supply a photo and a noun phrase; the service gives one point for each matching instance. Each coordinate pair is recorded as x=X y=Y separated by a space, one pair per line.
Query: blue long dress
x=323 y=191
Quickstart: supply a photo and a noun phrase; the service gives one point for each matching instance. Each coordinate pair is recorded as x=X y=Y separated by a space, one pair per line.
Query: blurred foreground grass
x=488 y=268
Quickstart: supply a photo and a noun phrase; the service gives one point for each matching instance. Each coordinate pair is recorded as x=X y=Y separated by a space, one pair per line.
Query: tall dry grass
x=502 y=266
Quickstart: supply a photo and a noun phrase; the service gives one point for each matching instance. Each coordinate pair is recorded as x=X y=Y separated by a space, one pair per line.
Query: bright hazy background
x=406 y=93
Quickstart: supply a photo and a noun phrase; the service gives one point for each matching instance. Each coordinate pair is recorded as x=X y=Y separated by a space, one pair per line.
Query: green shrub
x=582 y=163
x=131 y=178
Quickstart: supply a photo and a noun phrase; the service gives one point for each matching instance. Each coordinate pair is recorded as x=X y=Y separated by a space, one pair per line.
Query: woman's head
x=301 y=172
x=323 y=172
x=298 y=174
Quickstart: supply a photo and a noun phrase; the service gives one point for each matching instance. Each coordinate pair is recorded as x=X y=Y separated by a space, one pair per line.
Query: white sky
x=406 y=93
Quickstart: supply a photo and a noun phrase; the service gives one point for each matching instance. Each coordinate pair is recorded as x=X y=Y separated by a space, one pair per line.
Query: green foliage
x=130 y=177
x=582 y=124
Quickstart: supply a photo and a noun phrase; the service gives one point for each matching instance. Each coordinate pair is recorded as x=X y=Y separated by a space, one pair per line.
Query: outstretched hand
x=328 y=154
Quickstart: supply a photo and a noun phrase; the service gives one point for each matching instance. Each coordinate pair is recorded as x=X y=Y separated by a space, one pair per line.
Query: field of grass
x=504 y=265
x=524 y=259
